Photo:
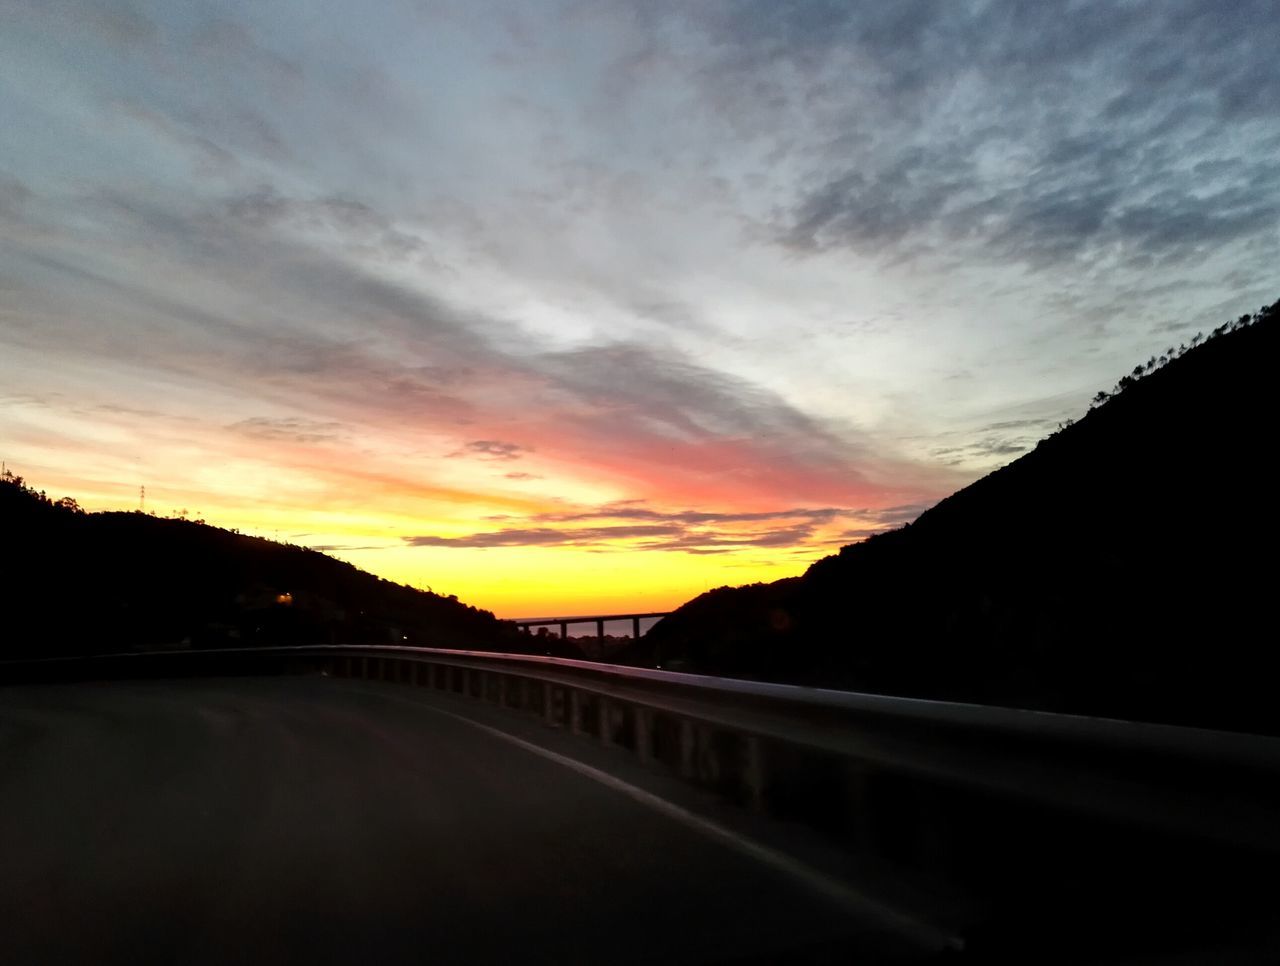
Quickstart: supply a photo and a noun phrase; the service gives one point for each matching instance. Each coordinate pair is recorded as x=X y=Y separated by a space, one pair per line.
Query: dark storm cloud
x=1023 y=131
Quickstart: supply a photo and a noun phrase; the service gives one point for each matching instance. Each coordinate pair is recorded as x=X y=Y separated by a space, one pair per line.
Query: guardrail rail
x=966 y=795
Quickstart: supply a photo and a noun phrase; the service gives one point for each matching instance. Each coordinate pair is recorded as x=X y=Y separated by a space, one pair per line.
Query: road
x=314 y=820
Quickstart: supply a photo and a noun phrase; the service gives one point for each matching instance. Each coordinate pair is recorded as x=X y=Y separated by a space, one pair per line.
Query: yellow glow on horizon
x=365 y=504
x=553 y=581
x=511 y=581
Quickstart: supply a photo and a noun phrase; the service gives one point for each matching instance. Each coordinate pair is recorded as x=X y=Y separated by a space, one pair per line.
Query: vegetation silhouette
x=1124 y=567
x=92 y=583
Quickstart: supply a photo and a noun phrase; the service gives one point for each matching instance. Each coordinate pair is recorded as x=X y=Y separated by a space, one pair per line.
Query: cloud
x=492 y=449
x=544 y=537
x=370 y=346
x=231 y=46
x=1015 y=131
x=361 y=227
x=689 y=531
x=210 y=157
x=727 y=265
x=882 y=520
x=14 y=195
x=997 y=441
x=289 y=429
x=629 y=510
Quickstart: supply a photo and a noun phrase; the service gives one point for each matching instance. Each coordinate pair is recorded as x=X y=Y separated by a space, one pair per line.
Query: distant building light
x=286 y=598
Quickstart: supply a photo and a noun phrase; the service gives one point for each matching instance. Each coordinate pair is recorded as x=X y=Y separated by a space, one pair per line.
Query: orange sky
x=568 y=310
x=575 y=539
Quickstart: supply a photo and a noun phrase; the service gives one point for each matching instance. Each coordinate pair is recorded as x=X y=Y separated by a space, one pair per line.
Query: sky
x=589 y=307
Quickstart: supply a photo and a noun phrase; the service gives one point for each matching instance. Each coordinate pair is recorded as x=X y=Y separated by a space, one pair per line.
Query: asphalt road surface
x=313 y=820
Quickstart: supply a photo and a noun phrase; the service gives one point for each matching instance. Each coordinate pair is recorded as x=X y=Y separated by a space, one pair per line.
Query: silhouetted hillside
x=1124 y=567
x=76 y=582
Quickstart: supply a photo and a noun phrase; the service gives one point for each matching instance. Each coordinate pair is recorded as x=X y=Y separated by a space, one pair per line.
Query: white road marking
x=900 y=921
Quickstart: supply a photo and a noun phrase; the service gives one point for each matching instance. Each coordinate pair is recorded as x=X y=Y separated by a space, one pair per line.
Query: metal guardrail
x=956 y=799
x=1137 y=736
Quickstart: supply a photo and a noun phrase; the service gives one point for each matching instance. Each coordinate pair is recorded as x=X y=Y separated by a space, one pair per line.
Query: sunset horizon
x=577 y=310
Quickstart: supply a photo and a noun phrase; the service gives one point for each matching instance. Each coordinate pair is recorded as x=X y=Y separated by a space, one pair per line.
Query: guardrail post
x=605 y=727
x=688 y=749
x=548 y=703
x=575 y=711
x=753 y=773
x=708 y=768
x=644 y=734
x=635 y=628
x=858 y=799
x=933 y=843
x=564 y=631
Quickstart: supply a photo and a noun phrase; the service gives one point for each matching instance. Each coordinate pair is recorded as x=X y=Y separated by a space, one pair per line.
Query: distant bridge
x=599 y=620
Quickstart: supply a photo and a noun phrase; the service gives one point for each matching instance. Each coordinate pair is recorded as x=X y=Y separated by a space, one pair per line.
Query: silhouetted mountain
x=1122 y=568
x=79 y=583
